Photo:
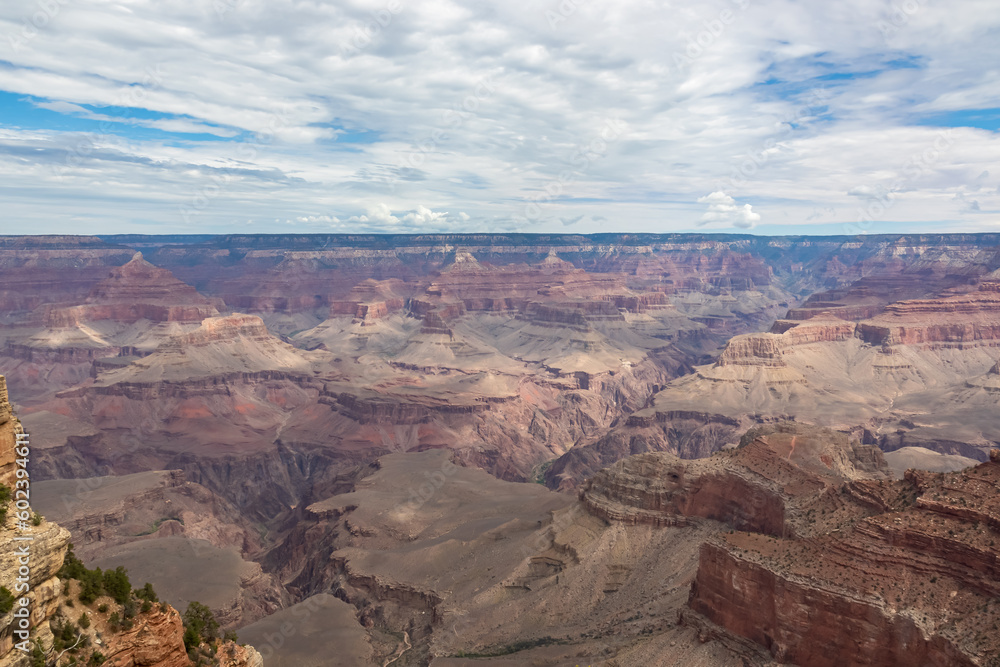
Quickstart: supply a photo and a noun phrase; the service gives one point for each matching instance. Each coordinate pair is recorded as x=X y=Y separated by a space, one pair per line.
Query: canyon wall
x=40 y=556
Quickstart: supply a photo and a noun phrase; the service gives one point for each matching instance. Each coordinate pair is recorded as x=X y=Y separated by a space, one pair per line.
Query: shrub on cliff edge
x=199 y=625
x=6 y=600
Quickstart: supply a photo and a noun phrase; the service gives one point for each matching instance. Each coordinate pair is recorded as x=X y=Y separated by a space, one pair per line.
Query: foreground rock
x=102 y=632
x=827 y=564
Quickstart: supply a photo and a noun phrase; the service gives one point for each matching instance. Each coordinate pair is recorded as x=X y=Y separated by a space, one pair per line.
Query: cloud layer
x=571 y=115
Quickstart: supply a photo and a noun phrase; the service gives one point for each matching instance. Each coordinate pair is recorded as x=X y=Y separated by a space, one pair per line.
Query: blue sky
x=768 y=116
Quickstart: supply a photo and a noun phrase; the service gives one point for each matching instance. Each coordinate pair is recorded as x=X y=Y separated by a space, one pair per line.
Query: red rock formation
x=45 y=542
x=914 y=583
x=137 y=290
x=226 y=328
x=915 y=268
x=8 y=437
x=828 y=309
x=676 y=267
x=571 y=314
x=881 y=573
x=155 y=639
x=553 y=282
x=435 y=324
x=807 y=624
x=687 y=434
x=283 y=280
x=967 y=318
x=641 y=303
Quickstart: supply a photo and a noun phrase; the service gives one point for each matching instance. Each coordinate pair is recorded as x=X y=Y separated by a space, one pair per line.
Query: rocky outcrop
x=640 y=303
x=434 y=323
x=661 y=490
x=573 y=314
x=219 y=329
x=156 y=639
x=817 y=330
x=914 y=582
x=221 y=350
x=767 y=486
x=46 y=551
x=9 y=428
x=687 y=434
x=240 y=655
x=59 y=355
x=834 y=309
x=376 y=410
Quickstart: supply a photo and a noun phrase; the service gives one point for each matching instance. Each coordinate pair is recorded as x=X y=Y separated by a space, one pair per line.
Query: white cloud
x=479 y=107
x=424 y=216
x=379 y=213
x=723 y=209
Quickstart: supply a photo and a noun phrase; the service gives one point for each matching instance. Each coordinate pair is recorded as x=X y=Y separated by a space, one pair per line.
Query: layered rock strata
x=842 y=566
x=136 y=291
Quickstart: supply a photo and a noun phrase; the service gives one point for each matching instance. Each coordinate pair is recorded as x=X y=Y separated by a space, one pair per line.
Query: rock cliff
x=822 y=560
x=30 y=555
x=913 y=584
x=773 y=485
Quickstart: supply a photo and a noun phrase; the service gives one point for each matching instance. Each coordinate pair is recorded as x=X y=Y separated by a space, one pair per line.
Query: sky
x=566 y=116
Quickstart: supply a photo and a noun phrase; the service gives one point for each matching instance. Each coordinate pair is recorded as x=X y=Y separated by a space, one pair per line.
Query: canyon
x=397 y=441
